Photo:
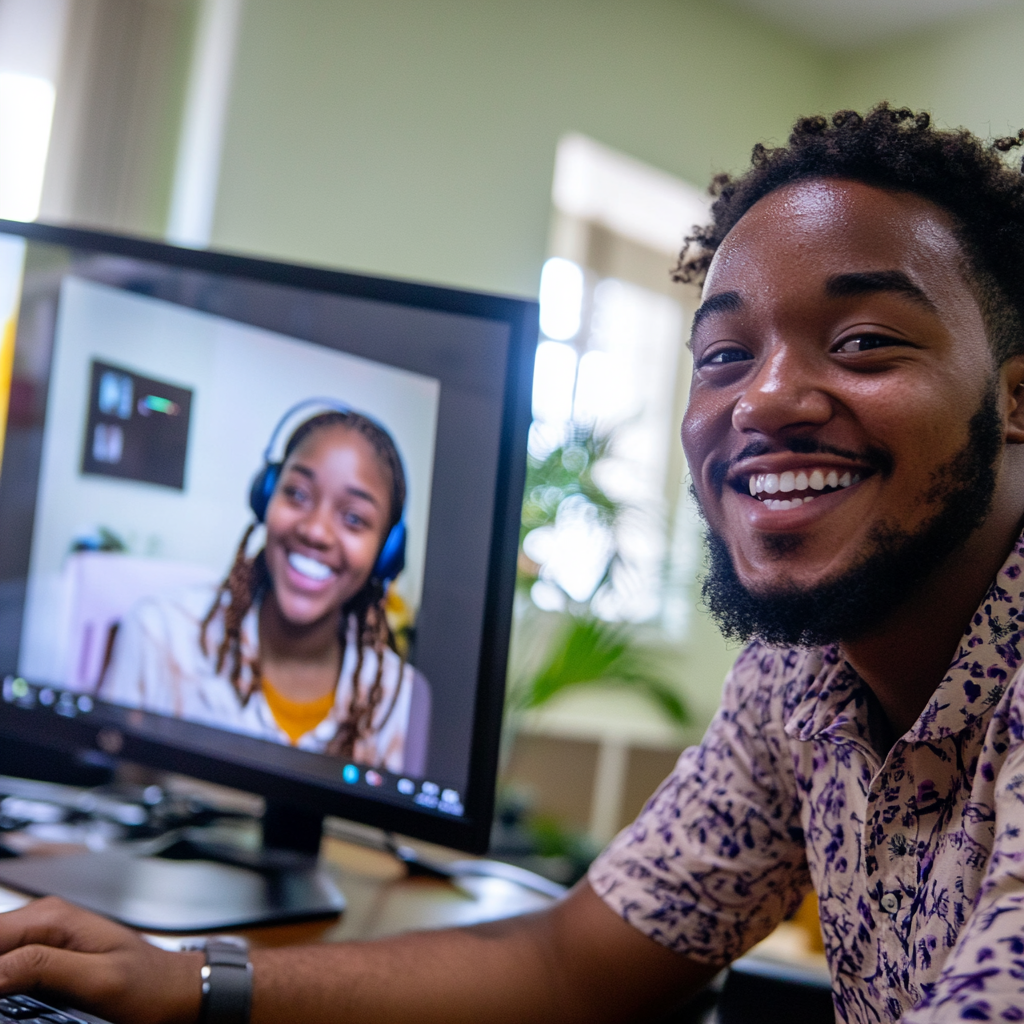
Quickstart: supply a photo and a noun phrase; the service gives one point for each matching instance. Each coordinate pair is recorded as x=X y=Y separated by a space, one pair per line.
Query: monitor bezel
x=470 y=833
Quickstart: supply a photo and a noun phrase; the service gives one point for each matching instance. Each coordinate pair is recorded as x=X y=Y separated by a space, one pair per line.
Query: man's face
x=839 y=359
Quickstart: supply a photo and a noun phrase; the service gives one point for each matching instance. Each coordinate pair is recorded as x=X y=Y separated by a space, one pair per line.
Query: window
x=612 y=363
x=31 y=41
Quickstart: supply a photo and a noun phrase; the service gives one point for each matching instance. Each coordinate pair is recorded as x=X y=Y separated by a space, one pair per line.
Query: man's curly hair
x=898 y=149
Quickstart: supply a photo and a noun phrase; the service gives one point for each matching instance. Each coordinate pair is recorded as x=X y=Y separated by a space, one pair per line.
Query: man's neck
x=905 y=659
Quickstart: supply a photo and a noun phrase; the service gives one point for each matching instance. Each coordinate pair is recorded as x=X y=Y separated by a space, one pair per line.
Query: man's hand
x=52 y=946
x=576 y=963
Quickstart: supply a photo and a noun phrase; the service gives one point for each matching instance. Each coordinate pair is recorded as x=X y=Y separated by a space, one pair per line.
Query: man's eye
x=726 y=355
x=864 y=343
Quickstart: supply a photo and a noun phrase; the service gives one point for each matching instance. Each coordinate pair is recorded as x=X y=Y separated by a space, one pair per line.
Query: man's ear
x=1013 y=382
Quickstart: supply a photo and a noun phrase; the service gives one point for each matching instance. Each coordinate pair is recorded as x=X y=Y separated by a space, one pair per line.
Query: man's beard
x=896 y=564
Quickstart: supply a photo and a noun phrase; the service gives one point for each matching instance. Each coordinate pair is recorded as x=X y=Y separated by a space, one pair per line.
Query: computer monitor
x=152 y=395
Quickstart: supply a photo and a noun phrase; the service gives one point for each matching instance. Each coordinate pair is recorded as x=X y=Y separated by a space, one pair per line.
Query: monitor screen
x=201 y=451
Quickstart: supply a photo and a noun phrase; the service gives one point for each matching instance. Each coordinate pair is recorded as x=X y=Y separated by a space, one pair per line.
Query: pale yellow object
x=398 y=612
x=807 y=919
x=6 y=370
x=798 y=941
x=400 y=618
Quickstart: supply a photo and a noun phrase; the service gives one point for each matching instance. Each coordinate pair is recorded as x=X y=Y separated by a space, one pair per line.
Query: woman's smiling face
x=326 y=523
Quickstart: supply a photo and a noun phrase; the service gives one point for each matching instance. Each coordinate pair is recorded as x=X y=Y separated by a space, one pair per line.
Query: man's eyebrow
x=723 y=302
x=841 y=286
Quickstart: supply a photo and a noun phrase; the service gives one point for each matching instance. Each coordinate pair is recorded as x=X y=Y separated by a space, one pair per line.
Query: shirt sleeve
x=716 y=859
x=983 y=977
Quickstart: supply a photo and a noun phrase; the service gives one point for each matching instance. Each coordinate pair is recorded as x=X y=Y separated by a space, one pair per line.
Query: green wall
x=417 y=137
x=967 y=72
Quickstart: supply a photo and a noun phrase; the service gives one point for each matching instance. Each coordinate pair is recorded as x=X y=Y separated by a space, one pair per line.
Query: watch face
x=227 y=952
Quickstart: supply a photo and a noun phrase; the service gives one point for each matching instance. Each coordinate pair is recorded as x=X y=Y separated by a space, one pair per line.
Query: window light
x=561 y=299
x=554 y=378
x=26 y=112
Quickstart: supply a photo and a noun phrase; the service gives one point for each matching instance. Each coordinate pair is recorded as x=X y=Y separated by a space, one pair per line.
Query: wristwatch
x=227 y=982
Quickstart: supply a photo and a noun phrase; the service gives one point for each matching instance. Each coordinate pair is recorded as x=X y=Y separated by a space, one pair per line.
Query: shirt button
x=889 y=903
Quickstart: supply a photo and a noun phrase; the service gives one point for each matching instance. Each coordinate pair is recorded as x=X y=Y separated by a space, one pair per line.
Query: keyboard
x=26 y=1010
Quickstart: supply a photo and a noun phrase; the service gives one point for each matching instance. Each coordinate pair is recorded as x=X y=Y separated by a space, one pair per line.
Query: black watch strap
x=227 y=984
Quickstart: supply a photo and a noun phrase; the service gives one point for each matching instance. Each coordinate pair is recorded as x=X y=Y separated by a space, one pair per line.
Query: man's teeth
x=309 y=567
x=776 y=504
x=801 y=480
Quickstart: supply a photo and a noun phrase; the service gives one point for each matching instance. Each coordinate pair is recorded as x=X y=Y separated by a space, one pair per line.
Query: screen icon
x=115 y=394
x=350 y=773
x=428 y=795
x=66 y=705
x=450 y=802
x=107 y=443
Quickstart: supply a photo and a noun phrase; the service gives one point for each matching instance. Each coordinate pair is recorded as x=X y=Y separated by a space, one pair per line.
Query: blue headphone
x=391 y=560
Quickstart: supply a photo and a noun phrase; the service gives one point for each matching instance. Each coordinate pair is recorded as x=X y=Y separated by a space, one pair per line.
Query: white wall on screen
x=243 y=378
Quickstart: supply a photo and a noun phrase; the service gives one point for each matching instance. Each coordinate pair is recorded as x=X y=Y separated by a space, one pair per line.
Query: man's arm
x=578 y=961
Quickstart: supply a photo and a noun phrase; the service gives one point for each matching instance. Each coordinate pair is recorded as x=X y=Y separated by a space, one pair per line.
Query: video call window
x=147 y=473
x=145 y=402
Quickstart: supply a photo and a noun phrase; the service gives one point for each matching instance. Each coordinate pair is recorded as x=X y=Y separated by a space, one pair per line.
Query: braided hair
x=249 y=579
x=900 y=150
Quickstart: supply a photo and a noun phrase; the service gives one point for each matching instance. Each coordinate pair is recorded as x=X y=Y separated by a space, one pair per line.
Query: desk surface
x=382 y=900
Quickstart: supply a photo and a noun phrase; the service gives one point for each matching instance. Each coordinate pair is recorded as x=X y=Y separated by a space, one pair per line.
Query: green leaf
x=590 y=651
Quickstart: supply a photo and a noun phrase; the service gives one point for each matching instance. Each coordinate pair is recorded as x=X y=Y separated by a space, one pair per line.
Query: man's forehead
x=837 y=226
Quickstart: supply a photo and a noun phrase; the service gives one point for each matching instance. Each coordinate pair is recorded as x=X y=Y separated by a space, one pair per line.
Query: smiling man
x=855 y=436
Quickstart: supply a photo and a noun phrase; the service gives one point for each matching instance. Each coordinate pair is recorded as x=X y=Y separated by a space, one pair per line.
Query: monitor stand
x=182 y=884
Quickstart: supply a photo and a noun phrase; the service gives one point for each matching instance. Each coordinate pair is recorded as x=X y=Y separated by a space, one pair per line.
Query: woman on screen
x=294 y=645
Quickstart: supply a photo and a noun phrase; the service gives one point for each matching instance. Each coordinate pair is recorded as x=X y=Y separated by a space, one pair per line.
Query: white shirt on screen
x=159 y=665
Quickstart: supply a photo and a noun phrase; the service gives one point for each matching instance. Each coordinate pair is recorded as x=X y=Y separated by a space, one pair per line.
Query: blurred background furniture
x=99 y=588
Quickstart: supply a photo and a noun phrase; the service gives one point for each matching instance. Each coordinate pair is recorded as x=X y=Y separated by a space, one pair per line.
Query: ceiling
x=846 y=23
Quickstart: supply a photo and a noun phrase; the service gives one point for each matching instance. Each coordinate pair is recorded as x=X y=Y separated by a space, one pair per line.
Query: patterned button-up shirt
x=917 y=859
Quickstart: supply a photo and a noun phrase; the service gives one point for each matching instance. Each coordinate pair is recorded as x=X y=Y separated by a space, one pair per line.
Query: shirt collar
x=835 y=699
x=988 y=656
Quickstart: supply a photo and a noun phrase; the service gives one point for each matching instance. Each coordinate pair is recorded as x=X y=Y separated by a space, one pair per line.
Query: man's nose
x=787 y=392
